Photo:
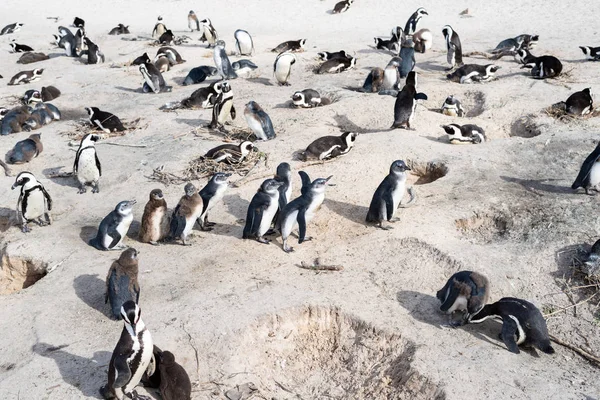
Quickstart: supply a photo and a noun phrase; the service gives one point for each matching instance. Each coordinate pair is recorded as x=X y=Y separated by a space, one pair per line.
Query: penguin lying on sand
x=544 y=67
x=26 y=150
x=469 y=73
x=592 y=53
x=328 y=147
x=290 y=45
x=464 y=134
x=452 y=107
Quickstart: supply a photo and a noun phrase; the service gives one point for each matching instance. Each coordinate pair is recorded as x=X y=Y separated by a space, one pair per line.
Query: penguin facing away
x=453 y=46
x=131 y=357
x=153 y=79
x=259 y=121
x=262 y=210
x=155 y=220
x=34 y=201
x=49 y=93
x=580 y=103
x=388 y=195
x=283 y=175
x=222 y=63
x=188 y=210
x=122 y=282
x=113 y=228
x=212 y=194
x=282 y=68
x=589 y=174
x=465 y=292
x=26 y=150
x=243 y=42
x=521 y=320
x=87 y=166
x=406 y=103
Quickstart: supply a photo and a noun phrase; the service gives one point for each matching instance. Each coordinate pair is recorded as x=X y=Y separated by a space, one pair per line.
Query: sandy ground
x=235 y=311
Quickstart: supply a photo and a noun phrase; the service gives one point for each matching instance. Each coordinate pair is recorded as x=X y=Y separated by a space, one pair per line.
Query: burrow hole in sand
x=474 y=103
x=525 y=127
x=319 y=352
x=423 y=173
x=484 y=227
x=18 y=273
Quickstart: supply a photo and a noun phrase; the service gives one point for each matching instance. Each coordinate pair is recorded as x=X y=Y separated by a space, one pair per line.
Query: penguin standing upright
x=388 y=195
x=452 y=107
x=159 y=29
x=520 y=319
x=26 y=150
x=122 y=282
x=131 y=357
x=302 y=209
x=114 y=227
x=283 y=175
x=411 y=25
x=209 y=33
x=580 y=103
x=589 y=174
x=93 y=52
x=407 y=54
x=465 y=291
x=222 y=62
x=153 y=79
x=193 y=22
x=155 y=220
x=223 y=108
x=453 y=46
x=282 y=68
x=406 y=102
x=186 y=213
x=243 y=42
x=87 y=166
x=262 y=210
x=212 y=194
x=259 y=121
x=104 y=120
x=34 y=201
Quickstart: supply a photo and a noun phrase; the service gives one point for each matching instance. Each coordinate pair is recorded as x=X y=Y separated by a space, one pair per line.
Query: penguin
x=243 y=42
x=34 y=201
x=114 y=227
x=68 y=42
x=388 y=195
x=87 y=166
x=104 y=121
x=524 y=41
x=391 y=75
x=204 y=97
x=159 y=29
x=406 y=103
x=262 y=210
x=11 y=28
x=14 y=119
x=306 y=98
x=166 y=38
x=78 y=23
x=282 y=68
x=593 y=258
x=222 y=63
x=197 y=75
x=122 y=282
x=524 y=56
x=49 y=93
x=172 y=54
x=407 y=55
x=326 y=55
x=411 y=25
x=209 y=33
x=175 y=383
x=119 y=30
x=93 y=52
x=342 y=6
x=31 y=57
x=465 y=134
x=26 y=150
x=302 y=210
x=465 y=291
x=155 y=220
x=453 y=46
x=283 y=175
x=391 y=44
x=193 y=22
x=521 y=320
x=328 y=147
x=40 y=116
x=143 y=59
x=589 y=174
x=154 y=81
x=580 y=103
x=32 y=97
x=50 y=109
x=231 y=153
x=544 y=67
x=212 y=194
x=452 y=107
x=188 y=210
x=20 y=48
x=423 y=40
x=592 y=53
x=290 y=46
x=259 y=121
x=131 y=357
x=26 y=76
x=223 y=108
x=161 y=62
x=337 y=65
x=470 y=73
x=243 y=67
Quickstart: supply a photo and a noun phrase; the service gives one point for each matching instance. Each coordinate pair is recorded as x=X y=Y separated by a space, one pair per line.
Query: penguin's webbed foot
x=385 y=228
x=206 y=223
x=395 y=219
x=205 y=228
x=287 y=248
x=262 y=240
x=25 y=228
x=305 y=239
x=591 y=191
x=136 y=396
x=82 y=189
x=154 y=243
x=96 y=189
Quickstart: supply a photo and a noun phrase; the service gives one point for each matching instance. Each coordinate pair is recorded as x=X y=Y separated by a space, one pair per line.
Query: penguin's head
x=91 y=111
x=319 y=184
x=131 y=313
x=192 y=13
x=491 y=69
x=190 y=189
x=220 y=178
x=38 y=71
x=533 y=41
x=585 y=49
x=421 y=11
x=24 y=178
x=298 y=98
x=398 y=167
x=587 y=91
x=129 y=257
x=125 y=207
x=253 y=107
x=349 y=138
x=452 y=129
x=450 y=100
x=32 y=96
x=206 y=21
x=3 y=112
x=156 y=194
x=284 y=170
x=141 y=59
x=270 y=186
x=441 y=295
x=89 y=140
x=246 y=147
x=167 y=358
x=302 y=42
x=322 y=55
x=447 y=31
x=395 y=62
x=411 y=78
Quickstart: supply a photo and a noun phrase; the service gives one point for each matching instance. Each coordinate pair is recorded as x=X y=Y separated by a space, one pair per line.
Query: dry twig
x=588 y=356
x=317 y=266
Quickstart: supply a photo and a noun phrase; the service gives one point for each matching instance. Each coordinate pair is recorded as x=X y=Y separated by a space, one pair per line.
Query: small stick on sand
x=124 y=145
x=571 y=306
x=581 y=352
x=316 y=266
x=60 y=175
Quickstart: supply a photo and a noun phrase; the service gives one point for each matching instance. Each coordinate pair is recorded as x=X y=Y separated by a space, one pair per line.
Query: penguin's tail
x=94 y=243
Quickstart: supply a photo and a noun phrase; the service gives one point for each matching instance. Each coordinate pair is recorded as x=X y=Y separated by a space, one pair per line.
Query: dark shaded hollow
x=525 y=127
x=423 y=173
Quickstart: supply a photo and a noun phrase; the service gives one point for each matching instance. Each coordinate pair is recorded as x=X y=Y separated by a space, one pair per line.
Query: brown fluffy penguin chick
x=155 y=220
x=26 y=150
x=174 y=381
x=186 y=213
x=122 y=282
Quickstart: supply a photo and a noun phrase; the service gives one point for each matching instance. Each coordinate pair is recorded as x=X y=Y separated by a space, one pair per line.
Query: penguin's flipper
x=76 y=162
x=249 y=228
x=389 y=205
x=96 y=244
x=420 y=96
x=177 y=223
x=266 y=124
x=232 y=112
x=301 y=225
x=452 y=296
x=305 y=182
x=586 y=168
x=48 y=198
x=115 y=236
x=122 y=370
x=98 y=163
x=509 y=330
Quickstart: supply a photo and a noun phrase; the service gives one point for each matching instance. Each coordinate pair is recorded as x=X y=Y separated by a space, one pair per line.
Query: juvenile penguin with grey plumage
x=259 y=121
x=131 y=358
x=188 y=210
x=113 y=228
x=243 y=68
x=283 y=175
x=464 y=134
x=388 y=196
x=262 y=210
x=155 y=220
x=212 y=194
x=243 y=42
x=199 y=75
x=122 y=282
x=466 y=292
x=26 y=150
x=522 y=324
x=453 y=46
x=222 y=62
x=87 y=166
x=589 y=174
x=34 y=202
x=406 y=103
x=193 y=22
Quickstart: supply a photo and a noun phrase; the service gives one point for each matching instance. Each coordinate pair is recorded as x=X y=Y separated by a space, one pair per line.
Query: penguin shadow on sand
x=91 y=289
x=344 y=124
x=193 y=122
x=352 y=212
x=262 y=81
x=86 y=374
x=134 y=230
x=433 y=66
x=237 y=206
x=126 y=89
x=69 y=181
x=569 y=258
x=88 y=232
x=539 y=185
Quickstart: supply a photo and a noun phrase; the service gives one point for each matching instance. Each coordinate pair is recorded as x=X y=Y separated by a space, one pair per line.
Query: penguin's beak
x=407 y=168
x=132 y=202
x=15 y=185
x=328 y=178
x=228 y=174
